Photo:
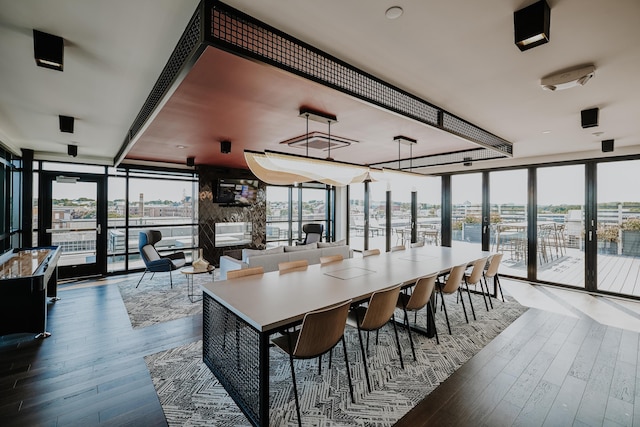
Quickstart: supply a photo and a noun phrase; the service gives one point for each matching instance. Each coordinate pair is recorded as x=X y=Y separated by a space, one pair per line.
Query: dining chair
x=417 y=244
x=419 y=297
x=320 y=332
x=289 y=266
x=452 y=285
x=329 y=259
x=379 y=310
x=492 y=272
x=370 y=252
x=474 y=277
x=398 y=248
x=234 y=274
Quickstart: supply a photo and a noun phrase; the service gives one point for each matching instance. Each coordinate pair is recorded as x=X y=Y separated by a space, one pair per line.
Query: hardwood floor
x=573 y=363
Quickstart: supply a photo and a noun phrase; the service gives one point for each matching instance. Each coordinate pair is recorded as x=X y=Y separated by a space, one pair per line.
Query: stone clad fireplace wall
x=210 y=213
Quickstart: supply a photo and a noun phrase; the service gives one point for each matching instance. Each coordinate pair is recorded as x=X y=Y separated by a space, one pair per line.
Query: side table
x=189 y=272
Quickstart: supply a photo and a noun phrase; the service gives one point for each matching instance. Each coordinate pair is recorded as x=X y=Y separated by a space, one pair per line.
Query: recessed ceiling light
x=182 y=147
x=393 y=12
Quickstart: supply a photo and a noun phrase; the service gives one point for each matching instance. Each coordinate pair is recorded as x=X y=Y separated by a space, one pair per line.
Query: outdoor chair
x=153 y=261
x=321 y=330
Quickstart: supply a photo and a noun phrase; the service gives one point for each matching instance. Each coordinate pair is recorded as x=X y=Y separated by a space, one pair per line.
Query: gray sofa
x=270 y=258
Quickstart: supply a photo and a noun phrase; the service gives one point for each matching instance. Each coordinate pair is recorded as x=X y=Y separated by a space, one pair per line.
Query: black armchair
x=313 y=233
x=153 y=261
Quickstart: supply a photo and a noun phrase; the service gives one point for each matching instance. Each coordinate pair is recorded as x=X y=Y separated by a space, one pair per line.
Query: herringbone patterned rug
x=191 y=395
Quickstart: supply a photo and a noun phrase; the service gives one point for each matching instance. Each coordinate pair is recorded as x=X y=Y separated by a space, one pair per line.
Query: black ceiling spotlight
x=225 y=147
x=607 y=145
x=531 y=25
x=66 y=124
x=467 y=161
x=589 y=118
x=72 y=150
x=48 y=50
x=191 y=161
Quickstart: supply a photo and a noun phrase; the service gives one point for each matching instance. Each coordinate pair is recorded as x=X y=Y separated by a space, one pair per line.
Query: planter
x=607 y=247
x=631 y=242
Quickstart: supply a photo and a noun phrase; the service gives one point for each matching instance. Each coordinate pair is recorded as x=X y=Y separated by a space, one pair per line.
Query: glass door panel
x=508 y=219
x=466 y=216
x=618 y=227
x=356 y=216
x=560 y=221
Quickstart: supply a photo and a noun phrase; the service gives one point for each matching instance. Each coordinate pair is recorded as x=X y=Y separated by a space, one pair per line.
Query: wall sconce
x=48 y=50
x=531 y=25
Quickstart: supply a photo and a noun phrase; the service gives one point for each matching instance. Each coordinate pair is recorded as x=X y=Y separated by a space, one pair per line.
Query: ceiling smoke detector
x=568 y=79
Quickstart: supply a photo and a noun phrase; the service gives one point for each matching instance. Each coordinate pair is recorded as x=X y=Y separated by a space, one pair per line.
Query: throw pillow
x=329 y=244
x=246 y=253
x=313 y=245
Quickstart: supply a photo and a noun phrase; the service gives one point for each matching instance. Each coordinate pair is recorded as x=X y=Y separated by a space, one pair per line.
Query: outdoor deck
x=616 y=273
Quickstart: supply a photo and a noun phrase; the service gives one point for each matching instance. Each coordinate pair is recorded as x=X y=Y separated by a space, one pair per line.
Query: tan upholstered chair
x=452 y=285
x=420 y=297
x=398 y=248
x=234 y=274
x=321 y=330
x=379 y=310
x=370 y=252
x=324 y=260
x=289 y=266
x=474 y=277
x=492 y=273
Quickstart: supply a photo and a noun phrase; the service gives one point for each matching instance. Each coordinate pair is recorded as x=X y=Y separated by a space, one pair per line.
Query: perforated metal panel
x=231 y=349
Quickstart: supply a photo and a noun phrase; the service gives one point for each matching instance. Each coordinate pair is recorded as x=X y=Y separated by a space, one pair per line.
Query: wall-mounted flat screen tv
x=236 y=192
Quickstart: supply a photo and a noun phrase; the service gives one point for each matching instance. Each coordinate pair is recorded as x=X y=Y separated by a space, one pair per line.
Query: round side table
x=189 y=272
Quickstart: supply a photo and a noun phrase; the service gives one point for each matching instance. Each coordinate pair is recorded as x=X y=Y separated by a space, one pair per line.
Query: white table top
x=272 y=300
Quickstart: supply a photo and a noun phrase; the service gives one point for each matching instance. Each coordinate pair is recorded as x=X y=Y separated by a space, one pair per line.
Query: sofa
x=270 y=258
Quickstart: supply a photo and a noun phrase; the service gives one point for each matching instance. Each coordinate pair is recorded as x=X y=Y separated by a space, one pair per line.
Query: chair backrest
x=370 y=252
x=243 y=272
x=321 y=330
x=289 y=266
x=494 y=264
x=146 y=241
x=398 y=248
x=476 y=272
x=418 y=244
x=380 y=308
x=454 y=279
x=421 y=292
x=330 y=259
x=313 y=233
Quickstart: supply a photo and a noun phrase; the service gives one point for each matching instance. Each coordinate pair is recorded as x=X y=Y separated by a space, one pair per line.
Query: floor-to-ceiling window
x=560 y=224
x=278 y=219
x=618 y=225
x=356 y=216
x=508 y=219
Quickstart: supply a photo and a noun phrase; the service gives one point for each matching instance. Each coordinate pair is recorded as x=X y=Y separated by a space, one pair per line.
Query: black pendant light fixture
x=531 y=25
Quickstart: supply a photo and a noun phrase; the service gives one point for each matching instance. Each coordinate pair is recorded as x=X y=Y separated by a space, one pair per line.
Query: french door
x=72 y=214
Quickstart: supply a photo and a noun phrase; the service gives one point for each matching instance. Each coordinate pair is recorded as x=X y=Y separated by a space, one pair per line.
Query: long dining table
x=240 y=315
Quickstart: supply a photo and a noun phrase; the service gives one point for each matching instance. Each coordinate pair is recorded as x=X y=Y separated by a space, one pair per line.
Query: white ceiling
x=459 y=55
